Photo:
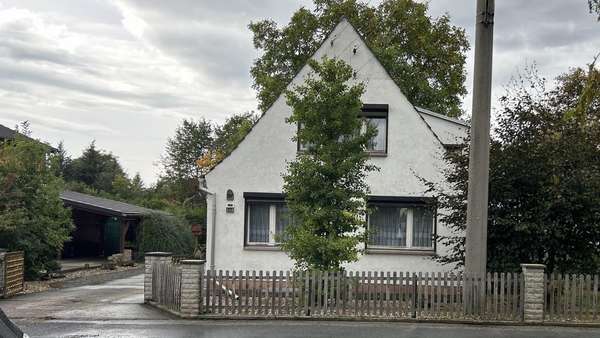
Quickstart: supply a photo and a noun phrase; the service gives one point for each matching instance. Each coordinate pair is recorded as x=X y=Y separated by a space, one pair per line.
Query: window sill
x=262 y=248
x=374 y=154
x=407 y=252
x=369 y=153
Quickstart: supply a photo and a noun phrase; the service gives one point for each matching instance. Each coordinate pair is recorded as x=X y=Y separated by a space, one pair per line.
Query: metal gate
x=13 y=273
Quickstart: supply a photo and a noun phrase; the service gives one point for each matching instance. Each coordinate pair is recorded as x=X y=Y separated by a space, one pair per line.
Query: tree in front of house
x=325 y=185
x=32 y=215
x=544 y=201
x=424 y=56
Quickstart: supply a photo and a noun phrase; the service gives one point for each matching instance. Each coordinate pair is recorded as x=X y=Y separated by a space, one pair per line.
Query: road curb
x=389 y=320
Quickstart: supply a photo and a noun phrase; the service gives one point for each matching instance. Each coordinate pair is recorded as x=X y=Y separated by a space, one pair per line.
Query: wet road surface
x=116 y=309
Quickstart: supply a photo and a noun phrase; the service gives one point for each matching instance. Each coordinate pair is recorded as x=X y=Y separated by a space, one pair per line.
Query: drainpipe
x=211 y=215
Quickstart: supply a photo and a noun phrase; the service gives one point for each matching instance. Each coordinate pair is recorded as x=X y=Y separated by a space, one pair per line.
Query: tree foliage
x=192 y=140
x=95 y=168
x=424 y=56
x=325 y=185
x=32 y=216
x=159 y=232
x=226 y=139
x=594 y=6
x=233 y=131
x=544 y=202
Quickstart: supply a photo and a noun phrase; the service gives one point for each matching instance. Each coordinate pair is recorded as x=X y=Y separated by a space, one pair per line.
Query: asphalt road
x=115 y=309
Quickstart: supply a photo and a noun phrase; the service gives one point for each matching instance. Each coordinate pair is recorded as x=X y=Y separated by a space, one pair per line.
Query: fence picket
x=347 y=282
x=248 y=289
x=595 y=298
x=376 y=289
x=339 y=276
x=438 y=298
x=305 y=292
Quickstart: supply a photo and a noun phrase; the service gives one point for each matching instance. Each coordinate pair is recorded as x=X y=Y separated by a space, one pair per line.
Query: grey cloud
x=194 y=56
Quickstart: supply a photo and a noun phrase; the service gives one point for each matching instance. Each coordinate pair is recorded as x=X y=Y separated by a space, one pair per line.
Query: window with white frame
x=401 y=226
x=266 y=219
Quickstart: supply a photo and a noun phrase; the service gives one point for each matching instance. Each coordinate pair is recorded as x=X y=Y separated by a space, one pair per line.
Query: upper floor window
x=375 y=115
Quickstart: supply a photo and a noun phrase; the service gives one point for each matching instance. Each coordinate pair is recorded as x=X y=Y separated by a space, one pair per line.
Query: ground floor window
x=267 y=216
x=394 y=223
x=401 y=224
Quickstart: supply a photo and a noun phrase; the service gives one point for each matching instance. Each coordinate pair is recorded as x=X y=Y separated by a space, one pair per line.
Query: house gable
x=270 y=137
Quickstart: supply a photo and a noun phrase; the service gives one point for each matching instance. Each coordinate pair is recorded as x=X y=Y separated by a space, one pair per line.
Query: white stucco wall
x=257 y=164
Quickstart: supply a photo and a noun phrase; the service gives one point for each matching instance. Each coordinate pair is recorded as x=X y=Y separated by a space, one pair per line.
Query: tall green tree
x=544 y=202
x=95 y=168
x=325 y=185
x=32 y=215
x=192 y=140
x=424 y=56
x=62 y=160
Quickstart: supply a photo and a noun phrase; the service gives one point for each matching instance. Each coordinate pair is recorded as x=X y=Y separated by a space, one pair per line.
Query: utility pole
x=479 y=155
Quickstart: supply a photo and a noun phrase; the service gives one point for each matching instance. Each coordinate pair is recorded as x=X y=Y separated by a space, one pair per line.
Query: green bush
x=32 y=215
x=161 y=232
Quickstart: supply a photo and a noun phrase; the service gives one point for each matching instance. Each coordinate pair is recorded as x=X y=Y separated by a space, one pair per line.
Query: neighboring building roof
x=443 y=117
x=6 y=133
x=450 y=131
x=9 y=134
x=104 y=206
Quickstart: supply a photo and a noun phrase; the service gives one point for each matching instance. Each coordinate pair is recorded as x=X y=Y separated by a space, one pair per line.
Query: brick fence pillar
x=534 y=292
x=191 y=287
x=149 y=259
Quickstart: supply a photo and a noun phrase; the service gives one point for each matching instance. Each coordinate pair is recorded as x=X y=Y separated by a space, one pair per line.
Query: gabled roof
x=327 y=36
x=104 y=206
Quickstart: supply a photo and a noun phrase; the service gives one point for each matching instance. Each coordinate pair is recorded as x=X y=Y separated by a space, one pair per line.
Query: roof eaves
x=443 y=117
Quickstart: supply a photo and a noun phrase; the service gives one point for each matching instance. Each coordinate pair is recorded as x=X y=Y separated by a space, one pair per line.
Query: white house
x=245 y=202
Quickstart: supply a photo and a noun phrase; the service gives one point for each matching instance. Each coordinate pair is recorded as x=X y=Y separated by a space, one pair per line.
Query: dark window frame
x=260 y=197
x=369 y=111
x=406 y=202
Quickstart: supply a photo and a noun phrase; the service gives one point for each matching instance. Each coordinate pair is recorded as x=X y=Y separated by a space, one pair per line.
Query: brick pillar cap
x=192 y=261
x=159 y=254
x=533 y=266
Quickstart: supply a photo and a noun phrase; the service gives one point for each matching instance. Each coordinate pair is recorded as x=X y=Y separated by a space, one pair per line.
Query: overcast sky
x=125 y=73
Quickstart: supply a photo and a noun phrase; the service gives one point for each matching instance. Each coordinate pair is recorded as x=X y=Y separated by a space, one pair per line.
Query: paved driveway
x=120 y=299
x=115 y=309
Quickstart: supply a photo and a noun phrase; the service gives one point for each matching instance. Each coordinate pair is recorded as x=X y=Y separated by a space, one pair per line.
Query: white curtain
x=258 y=222
x=387 y=226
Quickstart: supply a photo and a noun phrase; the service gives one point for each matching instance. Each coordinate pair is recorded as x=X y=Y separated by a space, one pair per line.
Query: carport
x=102 y=226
